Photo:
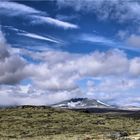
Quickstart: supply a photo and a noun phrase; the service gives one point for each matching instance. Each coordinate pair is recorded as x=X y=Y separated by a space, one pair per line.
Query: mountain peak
x=81 y=103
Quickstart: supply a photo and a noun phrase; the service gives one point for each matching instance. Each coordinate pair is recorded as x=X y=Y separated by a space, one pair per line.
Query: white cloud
x=14 y=9
x=58 y=72
x=61 y=70
x=133 y=40
x=28 y=95
x=67 y=17
x=3 y=50
x=130 y=42
x=116 y=84
x=135 y=66
x=114 y=9
x=35 y=36
x=114 y=90
x=12 y=66
x=35 y=16
x=55 y=78
x=122 y=34
x=96 y=39
x=53 y=21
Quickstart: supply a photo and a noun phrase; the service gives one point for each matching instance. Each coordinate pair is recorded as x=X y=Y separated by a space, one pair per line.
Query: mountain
x=135 y=108
x=81 y=103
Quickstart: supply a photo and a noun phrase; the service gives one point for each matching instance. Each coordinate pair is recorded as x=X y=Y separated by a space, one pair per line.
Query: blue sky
x=56 y=50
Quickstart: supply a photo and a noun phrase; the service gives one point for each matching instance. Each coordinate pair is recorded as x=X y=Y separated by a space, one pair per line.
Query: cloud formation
x=60 y=71
x=104 y=9
x=34 y=70
x=58 y=74
x=15 y=9
x=96 y=39
x=133 y=40
x=63 y=65
x=33 y=15
x=52 y=21
x=29 y=95
x=12 y=66
x=35 y=36
x=119 y=91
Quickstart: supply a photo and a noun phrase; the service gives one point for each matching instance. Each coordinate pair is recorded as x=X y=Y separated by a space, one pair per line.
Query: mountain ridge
x=82 y=103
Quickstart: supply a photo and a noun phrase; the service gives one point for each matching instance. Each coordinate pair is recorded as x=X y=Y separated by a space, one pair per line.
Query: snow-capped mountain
x=81 y=103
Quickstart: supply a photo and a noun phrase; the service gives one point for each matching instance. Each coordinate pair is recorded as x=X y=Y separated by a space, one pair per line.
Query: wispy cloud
x=35 y=36
x=96 y=39
x=53 y=21
x=34 y=15
x=14 y=9
x=67 y=17
x=13 y=28
x=133 y=41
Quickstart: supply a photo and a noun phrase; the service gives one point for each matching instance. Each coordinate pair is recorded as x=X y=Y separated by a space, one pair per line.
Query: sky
x=56 y=50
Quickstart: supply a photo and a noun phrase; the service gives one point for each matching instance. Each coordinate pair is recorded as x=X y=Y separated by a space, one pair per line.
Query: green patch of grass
x=49 y=123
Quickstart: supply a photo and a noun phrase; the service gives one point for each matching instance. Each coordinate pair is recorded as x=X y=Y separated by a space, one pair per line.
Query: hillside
x=47 y=123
